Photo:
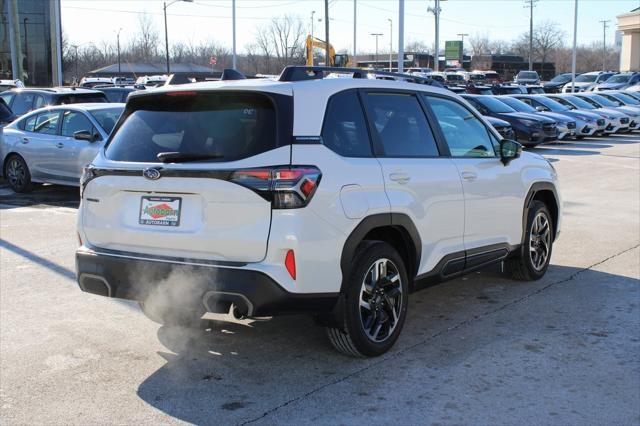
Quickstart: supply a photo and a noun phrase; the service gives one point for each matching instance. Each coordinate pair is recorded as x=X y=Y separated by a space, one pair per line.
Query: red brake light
x=286 y=187
x=290 y=263
x=182 y=93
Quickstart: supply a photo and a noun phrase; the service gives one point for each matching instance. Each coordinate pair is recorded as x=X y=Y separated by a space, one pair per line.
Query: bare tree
x=281 y=42
x=547 y=36
x=479 y=44
x=416 y=46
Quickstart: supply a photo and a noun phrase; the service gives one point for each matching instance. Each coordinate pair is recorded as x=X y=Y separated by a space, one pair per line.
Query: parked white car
x=335 y=197
x=53 y=145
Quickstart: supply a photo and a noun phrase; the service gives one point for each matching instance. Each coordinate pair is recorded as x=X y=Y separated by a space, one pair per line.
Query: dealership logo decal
x=151 y=174
x=161 y=210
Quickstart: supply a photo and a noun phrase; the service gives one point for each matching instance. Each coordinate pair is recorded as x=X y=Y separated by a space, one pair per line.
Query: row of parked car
x=54 y=132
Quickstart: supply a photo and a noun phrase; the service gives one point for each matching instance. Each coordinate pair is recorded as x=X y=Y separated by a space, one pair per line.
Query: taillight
x=88 y=174
x=286 y=187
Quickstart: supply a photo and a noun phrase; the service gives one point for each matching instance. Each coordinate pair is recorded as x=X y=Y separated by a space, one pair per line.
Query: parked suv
x=21 y=101
x=335 y=197
x=527 y=77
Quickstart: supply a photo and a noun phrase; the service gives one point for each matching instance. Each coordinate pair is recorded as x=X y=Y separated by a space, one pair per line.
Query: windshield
x=562 y=78
x=454 y=77
x=613 y=99
x=576 y=101
x=531 y=75
x=586 y=78
x=107 y=118
x=620 y=78
x=512 y=90
x=552 y=105
x=230 y=126
x=603 y=101
x=517 y=104
x=494 y=105
x=627 y=98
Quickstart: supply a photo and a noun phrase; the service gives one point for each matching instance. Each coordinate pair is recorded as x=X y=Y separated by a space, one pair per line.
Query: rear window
x=81 y=98
x=230 y=126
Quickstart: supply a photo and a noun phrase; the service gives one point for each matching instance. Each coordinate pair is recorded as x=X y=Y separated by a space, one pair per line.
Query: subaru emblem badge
x=151 y=173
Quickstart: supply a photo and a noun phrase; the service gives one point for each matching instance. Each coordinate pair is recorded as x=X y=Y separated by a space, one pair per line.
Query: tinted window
x=7 y=97
x=345 y=129
x=47 y=123
x=465 y=134
x=107 y=118
x=228 y=125
x=493 y=104
x=401 y=125
x=39 y=102
x=29 y=124
x=114 y=95
x=23 y=103
x=517 y=104
x=5 y=112
x=74 y=121
x=81 y=98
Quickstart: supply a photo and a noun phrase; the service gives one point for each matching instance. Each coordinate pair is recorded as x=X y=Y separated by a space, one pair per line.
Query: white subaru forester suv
x=332 y=196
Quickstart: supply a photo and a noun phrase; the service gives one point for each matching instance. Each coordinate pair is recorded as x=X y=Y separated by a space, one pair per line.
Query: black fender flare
x=533 y=190
x=397 y=220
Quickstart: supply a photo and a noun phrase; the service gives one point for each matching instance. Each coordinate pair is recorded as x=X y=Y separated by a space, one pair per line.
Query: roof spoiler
x=231 y=74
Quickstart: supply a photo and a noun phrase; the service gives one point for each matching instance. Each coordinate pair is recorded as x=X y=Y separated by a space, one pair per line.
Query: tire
x=171 y=316
x=530 y=264
x=353 y=337
x=17 y=173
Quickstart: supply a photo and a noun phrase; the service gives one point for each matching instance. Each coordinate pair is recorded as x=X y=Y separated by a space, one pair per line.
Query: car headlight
x=529 y=123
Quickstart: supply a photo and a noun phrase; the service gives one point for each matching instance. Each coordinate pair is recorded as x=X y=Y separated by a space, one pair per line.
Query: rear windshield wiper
x=183 y=157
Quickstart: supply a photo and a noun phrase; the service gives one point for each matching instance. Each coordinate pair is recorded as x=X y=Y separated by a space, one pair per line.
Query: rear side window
x=7 y=97
x=401 y=126
x=345 y=129
x=39 y=102
x=230 y=126
x=47 y=123
x=23 y=103
x=465 y=134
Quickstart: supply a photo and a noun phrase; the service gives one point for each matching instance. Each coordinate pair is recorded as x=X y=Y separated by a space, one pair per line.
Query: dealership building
x=30 y=41
x=629 y=26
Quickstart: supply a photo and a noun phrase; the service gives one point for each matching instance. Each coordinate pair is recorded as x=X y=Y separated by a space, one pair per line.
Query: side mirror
x=85 y=135
x=509 y=150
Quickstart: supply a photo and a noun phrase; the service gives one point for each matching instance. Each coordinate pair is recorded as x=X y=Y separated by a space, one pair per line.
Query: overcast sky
x=86 y=21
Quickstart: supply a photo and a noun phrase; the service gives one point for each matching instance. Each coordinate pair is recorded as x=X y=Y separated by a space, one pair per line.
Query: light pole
x=233 y=13
x=327 y=58
x=462 y=36
x=313 y=12
x=354 y=62
x=604 y=43
x=26 y=39
x=118 y=46
x=390 y=42
x=573 y=54
x=530 y=4
x=436 y=13
x=166 y=32
x=376 y=35
x=401 y=36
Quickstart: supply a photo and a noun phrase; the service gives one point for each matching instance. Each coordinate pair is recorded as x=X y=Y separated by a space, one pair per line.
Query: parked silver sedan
x=52 y=145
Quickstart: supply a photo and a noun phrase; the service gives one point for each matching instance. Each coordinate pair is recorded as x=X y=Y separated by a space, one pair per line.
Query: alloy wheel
x=381 y=300
x=539 y=241
x=16 y=173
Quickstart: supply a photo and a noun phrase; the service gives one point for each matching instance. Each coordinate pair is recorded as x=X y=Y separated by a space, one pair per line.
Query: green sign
x=453 y=49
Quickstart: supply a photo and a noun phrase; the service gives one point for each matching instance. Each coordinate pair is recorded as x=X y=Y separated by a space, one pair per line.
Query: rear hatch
x=206 y=200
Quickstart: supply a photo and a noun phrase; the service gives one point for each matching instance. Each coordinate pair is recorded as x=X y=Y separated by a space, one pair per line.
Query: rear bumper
x=214 y=287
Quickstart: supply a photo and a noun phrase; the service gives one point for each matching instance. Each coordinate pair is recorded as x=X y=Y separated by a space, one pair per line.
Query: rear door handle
x=469 y=176
x=60 y=145
x=25 y=140
x=400 y=177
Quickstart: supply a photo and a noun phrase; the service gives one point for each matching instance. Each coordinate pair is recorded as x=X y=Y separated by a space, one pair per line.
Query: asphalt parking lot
x=478 y=350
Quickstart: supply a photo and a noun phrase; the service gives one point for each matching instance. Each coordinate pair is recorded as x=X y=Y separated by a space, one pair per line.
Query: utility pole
x=376 y=35
x=462 y=36
x=355 y=54
x=390 y=43
x=313 y=12
x=401 y=36
x=604 y=43
x=327 y=57
x=573 y=55
x=530 y=4
x=436 y=55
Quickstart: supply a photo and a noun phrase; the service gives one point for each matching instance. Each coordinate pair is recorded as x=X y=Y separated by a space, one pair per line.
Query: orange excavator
x=335 y=60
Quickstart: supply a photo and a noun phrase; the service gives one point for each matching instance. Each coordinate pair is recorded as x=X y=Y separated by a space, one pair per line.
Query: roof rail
x=302 y=73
